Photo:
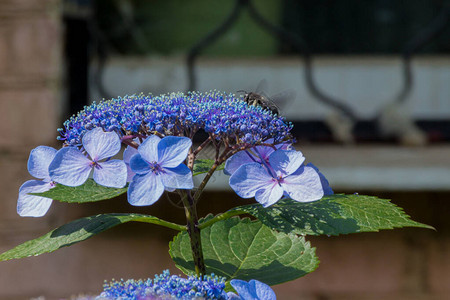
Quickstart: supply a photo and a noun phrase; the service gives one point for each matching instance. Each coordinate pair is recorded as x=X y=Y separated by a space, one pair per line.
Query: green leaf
x=90 y=191
x=204 y=165
x=332 y=215
x=245 y=249
x=77 y=231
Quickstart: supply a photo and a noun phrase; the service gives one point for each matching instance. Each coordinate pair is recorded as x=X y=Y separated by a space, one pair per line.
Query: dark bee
x=260 y=98
x=256 y=99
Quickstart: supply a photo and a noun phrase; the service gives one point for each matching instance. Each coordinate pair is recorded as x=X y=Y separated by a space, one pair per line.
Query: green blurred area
x=173 y=27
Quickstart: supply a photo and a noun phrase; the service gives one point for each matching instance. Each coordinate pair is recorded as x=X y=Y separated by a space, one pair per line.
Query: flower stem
x=205 y=181
x=194 y=232
x=225 y=155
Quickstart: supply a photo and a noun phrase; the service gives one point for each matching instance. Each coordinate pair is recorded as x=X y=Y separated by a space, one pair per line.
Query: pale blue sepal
x=100 y=144
x=177 y=178
x=70 y=167
x=149 y=149
x=39 y=160
x=172 y=151
x=31 y=205
x=138 y=165
x=327 y=190
x=286 y=162
x=250 y=178
x=303 y=185
x=111 y=173
x=253 y=290
x=145 y=189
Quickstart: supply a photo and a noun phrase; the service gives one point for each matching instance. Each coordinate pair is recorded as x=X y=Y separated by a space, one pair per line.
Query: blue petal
x=70 y=167
x=269 y=194
x=149 y=149
x=264 y=152
x=237 y=160
x=177 y=178
x=232 y=296
x=173 y=150
x=129 y=153
x=262 y=290
x=243 y=289
x=304 y=185
x=250 y=178
x=30 y=205
x=138 y=165
x=111 y=173
x=145 y=189
x=39 y=160
x=100 y=144
x=325 y=185
x=286 y=162
x=130 y=173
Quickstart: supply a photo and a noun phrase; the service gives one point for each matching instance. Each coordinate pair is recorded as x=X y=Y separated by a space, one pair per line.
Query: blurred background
x=371 y=109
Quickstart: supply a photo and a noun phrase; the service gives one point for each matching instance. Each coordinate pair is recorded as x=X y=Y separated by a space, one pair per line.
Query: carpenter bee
x=260 y=98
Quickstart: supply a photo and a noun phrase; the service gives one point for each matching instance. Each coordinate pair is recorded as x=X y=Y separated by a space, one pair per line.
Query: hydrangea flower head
x=284 y=174
x=225 y=117
x=166 y=286
x=72 y=167
x=38 y=163
x=158 y=166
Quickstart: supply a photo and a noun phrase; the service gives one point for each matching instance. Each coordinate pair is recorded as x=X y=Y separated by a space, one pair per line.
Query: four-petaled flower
x=252 y=290
x=72 y=168
x=30 y=205
x=283 y=174
x=158 y=167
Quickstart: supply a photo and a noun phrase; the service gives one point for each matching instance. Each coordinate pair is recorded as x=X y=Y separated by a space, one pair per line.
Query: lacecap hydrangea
x=157 y=132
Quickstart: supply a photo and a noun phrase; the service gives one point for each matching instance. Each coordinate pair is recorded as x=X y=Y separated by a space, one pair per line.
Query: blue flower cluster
x=158 y=132
x=156 y=165
x=166 y=286
x=224 y=116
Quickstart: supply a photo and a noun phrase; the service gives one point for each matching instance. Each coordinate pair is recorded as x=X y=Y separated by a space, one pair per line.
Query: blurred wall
x=399 y=264
x=30 y=64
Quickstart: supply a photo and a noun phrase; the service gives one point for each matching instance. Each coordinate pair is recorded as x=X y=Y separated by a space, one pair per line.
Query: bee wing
x=273 y=107
x=262 y=87
x=283 y=98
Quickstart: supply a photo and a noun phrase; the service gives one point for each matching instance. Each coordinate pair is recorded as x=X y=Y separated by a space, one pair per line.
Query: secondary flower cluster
x=166 y=286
